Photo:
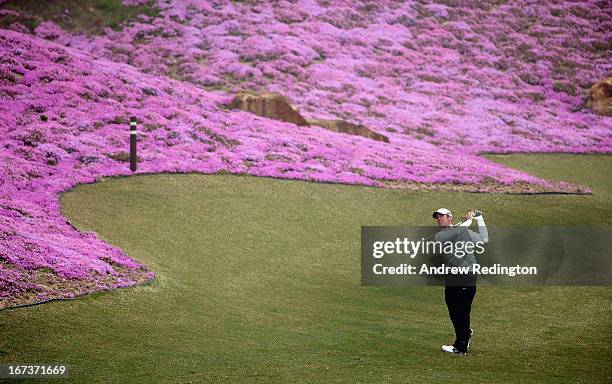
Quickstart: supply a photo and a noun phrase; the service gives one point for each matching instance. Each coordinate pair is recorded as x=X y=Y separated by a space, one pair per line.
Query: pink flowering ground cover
x=498 y=76
x=445 y=81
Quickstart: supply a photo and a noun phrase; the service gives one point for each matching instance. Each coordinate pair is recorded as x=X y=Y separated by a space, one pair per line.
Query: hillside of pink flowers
x=468 y=74
x=443 y=80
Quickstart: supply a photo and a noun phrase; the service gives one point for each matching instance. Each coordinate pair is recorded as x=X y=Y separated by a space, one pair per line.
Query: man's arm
x=453 y=233
x=483 y=233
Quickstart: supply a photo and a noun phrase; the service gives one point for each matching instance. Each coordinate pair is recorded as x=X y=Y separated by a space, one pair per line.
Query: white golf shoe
x=455 y=351
x=452 y=349
x=470 y=339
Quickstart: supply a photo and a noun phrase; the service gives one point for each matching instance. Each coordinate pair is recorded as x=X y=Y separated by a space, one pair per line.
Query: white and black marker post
x=133 y=137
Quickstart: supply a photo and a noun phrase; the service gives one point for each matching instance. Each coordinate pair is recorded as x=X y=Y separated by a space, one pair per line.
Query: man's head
x=443 y=217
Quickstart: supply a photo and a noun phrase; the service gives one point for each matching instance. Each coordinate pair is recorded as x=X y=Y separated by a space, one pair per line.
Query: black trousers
x=459 y=302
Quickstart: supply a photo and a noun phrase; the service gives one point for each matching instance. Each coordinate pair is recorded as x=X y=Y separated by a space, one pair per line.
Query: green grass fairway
x=258 y=280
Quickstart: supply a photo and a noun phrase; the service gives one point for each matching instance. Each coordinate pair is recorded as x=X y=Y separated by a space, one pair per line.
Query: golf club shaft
x=475 y=213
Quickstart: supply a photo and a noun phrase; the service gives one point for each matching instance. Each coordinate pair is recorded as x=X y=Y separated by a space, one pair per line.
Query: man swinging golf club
x=459 y=290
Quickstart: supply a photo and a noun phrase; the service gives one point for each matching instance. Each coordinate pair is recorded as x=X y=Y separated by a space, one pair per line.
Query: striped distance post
x=133 y=137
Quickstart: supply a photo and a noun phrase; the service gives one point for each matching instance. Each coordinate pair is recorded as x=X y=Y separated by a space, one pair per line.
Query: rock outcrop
x=346 y=127
x=600 y=97
x=275 y=106
x=271 y=105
